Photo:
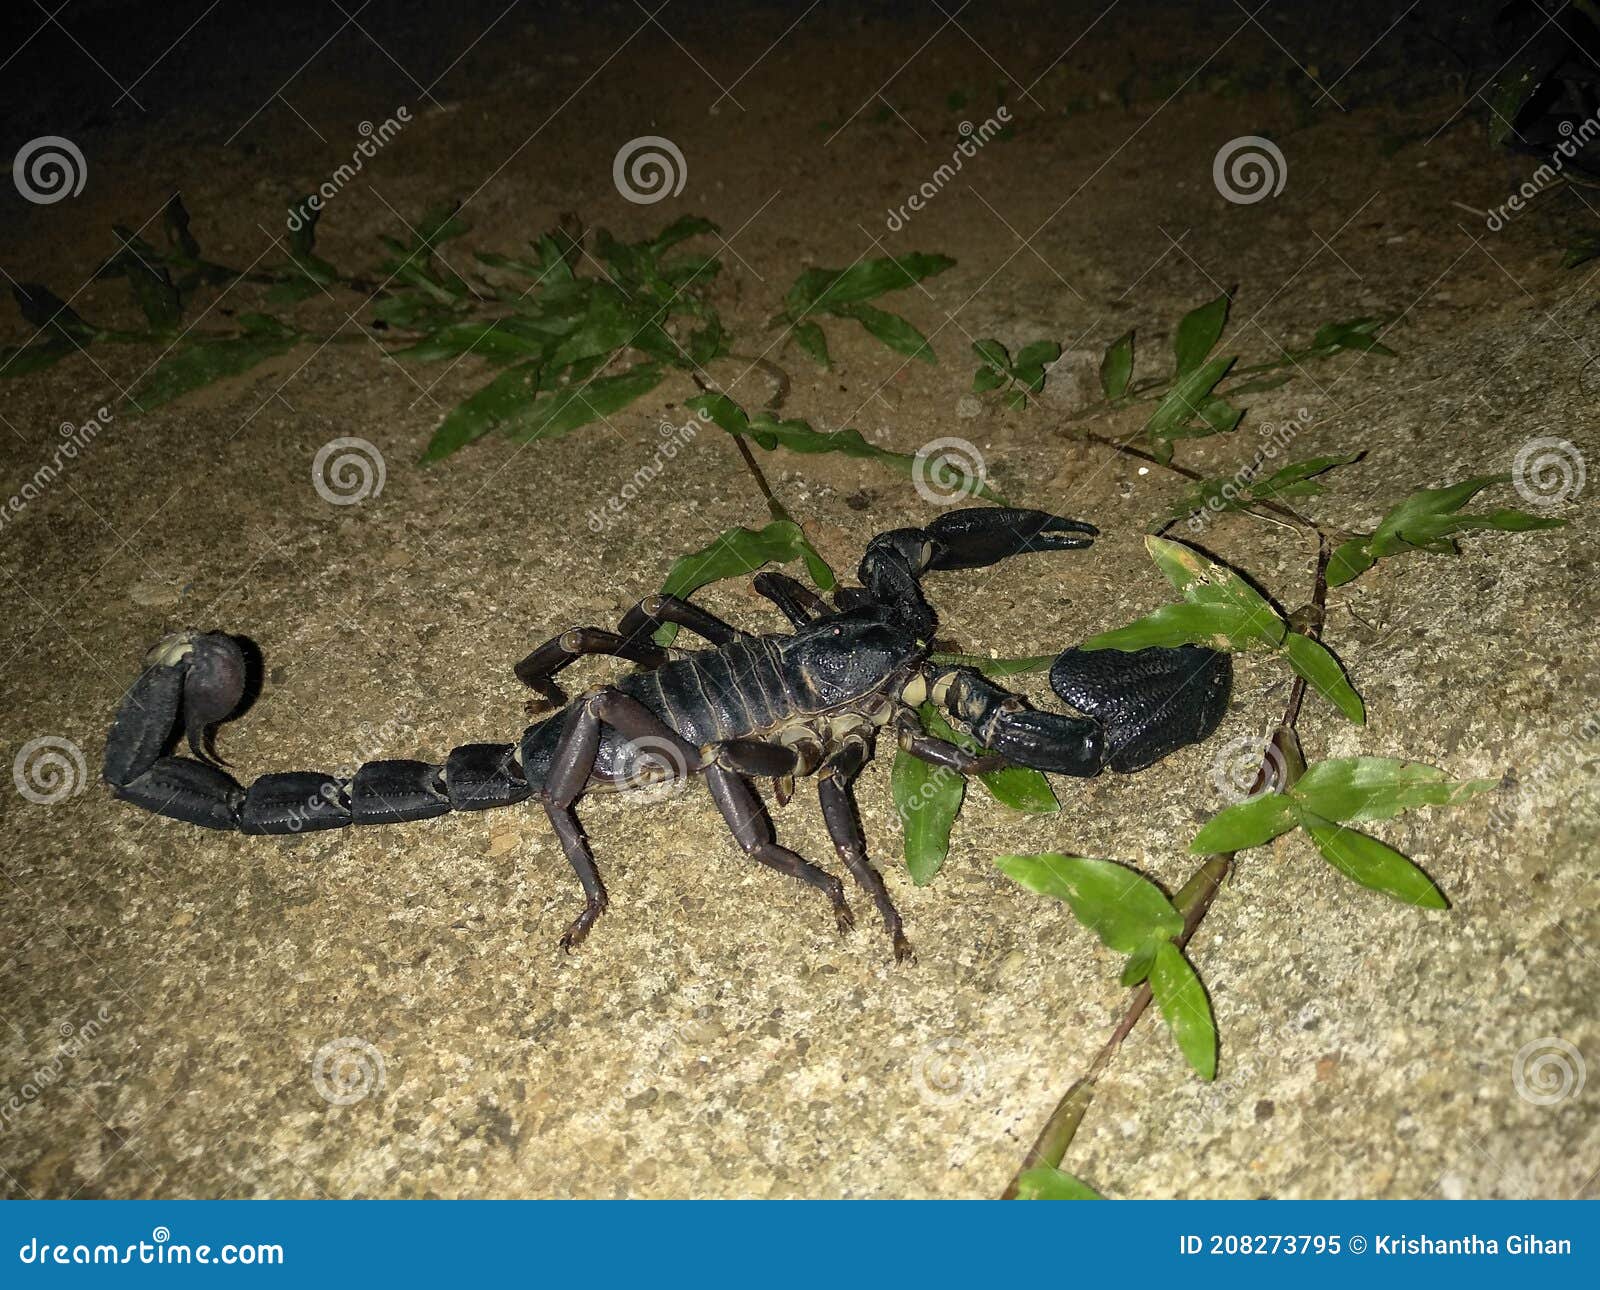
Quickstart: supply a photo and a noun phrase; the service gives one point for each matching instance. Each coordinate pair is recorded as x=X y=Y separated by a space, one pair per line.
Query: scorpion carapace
x=811 y=701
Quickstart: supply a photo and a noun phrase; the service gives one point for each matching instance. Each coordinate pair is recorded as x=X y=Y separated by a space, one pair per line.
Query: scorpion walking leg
x=742 y=811
x=569 y=773
x=798 y=602
x=844 y=827
x=657 y=611
x=539 y=668
x=941 y=752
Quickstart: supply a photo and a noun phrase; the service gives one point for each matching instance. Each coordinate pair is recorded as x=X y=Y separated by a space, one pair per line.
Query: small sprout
x=1021 y=376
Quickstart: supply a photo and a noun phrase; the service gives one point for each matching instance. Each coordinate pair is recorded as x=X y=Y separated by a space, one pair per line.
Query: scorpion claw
x=982 y=535
x=1049 y=741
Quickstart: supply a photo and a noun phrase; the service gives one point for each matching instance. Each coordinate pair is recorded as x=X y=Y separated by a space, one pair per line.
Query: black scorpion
x=770 y=706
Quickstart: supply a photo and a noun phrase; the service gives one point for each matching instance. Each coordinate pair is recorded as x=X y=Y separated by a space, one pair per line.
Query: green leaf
x=1198 y=331
x=825 y=290
x=810 y=338
x=205 y=361
x=997 y=667
x=43 y=309
x=1182 y=403
x=1425 y=521
x=1183 y=1002
x=770 y=432
x=1204 y=582
x=1235 y=492
x=495 y=404
x=739 y=551
x=553 y=415
x=1138 y=966
x=1251 y=823
x=928 y=799
x=1322 y=671
x=1349 y=560
x=34 y=356
x=722 y=410
x=1215 y=626
x=1039 y=353
x=1122 y=907
x=1371 y=863
x=154 y=293
x=994 y=355
x=1378 y=788
x=1116 y=366
x=1043 y=1182
x=504 y=340
x=1358 y=334
x=893 y=330
x=986 y=379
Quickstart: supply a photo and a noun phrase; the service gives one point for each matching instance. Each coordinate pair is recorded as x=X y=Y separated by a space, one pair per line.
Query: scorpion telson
x=750 y=707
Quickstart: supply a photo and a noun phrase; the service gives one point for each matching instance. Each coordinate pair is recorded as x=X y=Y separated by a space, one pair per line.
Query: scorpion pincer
x=811 y=701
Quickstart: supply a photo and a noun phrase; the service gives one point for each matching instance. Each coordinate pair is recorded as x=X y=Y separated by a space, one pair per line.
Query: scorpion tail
x=197 y=679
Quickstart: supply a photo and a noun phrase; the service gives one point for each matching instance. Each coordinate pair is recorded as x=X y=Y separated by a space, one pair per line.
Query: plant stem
x=1125 y=449
x=1193 y=901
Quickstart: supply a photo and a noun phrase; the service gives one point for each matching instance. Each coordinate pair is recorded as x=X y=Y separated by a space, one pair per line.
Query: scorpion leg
x=798 y=602
x=657 y=611
x=570 y=768
x=742 y=811
x=844 y=827
x=941 y=752
x=539 y=668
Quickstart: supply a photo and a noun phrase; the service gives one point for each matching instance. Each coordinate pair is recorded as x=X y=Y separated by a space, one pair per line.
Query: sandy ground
x=167 y=991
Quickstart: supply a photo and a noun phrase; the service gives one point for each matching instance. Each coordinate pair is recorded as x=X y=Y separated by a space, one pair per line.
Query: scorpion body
x=749 y=707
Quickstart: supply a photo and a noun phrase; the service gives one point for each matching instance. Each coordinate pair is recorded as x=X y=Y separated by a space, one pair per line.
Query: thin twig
x=1193 y=901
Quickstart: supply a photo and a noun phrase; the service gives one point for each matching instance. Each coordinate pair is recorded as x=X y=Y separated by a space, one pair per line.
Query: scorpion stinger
x=807 y=702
